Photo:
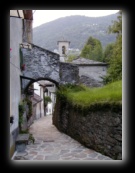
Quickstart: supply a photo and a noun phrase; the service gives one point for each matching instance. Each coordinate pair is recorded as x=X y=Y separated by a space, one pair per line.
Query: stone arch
x=41 y=78
x=44 y=64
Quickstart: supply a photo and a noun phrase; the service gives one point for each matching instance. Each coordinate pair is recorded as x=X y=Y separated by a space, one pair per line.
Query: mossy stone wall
x=98 y=129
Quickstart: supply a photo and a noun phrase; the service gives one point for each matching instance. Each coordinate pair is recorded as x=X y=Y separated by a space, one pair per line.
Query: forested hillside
x=76 y=29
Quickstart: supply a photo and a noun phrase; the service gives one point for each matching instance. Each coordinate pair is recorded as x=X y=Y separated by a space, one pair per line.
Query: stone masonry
x=69 y=73
x=91 y=72
x=100 y=130
x=42 y=64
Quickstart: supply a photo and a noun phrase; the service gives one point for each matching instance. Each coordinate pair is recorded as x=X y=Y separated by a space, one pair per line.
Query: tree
x=92 y=50
x=108 y=52
x=114 y=72
x=117 y=26
x=71 y=58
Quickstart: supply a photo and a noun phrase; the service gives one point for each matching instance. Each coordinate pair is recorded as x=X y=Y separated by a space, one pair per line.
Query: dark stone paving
x=50 y=144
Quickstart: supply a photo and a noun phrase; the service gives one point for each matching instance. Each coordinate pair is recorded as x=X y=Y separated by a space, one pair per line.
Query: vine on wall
x=21 y=112
x=29 y=103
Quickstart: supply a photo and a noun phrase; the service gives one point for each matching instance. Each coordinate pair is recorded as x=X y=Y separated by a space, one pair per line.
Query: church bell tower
x=63 y=47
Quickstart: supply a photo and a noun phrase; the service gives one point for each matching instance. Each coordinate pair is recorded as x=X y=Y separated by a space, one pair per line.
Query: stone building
x=91 y=72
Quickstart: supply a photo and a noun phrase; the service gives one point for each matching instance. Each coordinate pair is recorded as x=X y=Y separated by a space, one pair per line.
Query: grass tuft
x=84 y=96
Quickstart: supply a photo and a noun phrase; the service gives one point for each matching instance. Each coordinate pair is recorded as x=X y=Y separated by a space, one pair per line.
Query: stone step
x=21 y=142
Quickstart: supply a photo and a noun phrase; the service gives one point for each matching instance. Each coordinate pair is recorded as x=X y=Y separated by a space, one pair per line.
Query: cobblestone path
x=50 y=144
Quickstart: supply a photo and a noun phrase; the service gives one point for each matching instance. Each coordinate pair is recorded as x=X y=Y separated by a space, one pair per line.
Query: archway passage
x=40 y=79
x=40 y=63
x=37 y=93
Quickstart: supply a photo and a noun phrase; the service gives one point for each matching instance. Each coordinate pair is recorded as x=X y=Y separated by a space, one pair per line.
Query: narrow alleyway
x=50 y=144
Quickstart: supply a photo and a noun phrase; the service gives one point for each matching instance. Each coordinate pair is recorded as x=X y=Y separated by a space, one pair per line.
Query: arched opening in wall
x=63 y=50
x=41 y=93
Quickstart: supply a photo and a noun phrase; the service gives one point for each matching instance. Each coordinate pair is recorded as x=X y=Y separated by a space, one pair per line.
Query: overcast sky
x=43 y=16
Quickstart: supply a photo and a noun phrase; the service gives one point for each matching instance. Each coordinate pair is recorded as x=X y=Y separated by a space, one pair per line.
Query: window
x=63 y=49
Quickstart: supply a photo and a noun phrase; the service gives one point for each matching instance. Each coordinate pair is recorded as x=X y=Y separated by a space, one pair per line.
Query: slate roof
x=84 y=61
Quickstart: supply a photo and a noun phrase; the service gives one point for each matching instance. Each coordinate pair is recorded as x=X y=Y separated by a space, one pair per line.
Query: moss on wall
x=98 y=127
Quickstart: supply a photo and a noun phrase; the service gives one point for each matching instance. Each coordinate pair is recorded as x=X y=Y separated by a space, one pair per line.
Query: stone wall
x=91 y=75
x=44 y=64
x=69 y=73
x=89 y=81
x=40 y=63
x=91 y=72
x=100 y=130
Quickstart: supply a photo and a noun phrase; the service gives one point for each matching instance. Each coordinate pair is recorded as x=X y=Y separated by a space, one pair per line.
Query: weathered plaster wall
x=38 y=111
x=42 y=102
x=15 y=92
x=100 y=130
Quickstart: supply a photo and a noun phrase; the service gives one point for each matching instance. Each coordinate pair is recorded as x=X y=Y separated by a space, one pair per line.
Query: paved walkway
x=50 y=144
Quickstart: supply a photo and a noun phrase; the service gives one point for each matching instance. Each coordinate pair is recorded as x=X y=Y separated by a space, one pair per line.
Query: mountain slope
x=76 y=29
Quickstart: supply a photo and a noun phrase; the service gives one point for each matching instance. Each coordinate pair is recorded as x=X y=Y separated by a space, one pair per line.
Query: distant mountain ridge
x=76 y=29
